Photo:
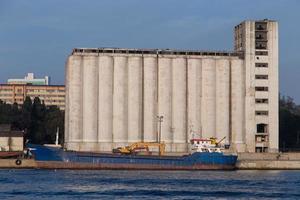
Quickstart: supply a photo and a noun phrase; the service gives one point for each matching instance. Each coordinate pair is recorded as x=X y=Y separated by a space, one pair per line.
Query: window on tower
x=261 y=76
x=264 y=89
x=261 y=64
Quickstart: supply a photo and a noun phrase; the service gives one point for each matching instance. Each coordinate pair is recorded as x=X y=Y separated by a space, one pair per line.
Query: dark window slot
x=264 y=89
x=261 y=76
x=261 y=112
x=261 y=64
x=262 y=101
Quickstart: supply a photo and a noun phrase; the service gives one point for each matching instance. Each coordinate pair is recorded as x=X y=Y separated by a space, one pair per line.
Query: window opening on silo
x=262 y=101
x=261 y=76
x=261 y=53
x=261 y=112
x=265 y=89
x=261 y=149
x=262 y=128
x=261 y=64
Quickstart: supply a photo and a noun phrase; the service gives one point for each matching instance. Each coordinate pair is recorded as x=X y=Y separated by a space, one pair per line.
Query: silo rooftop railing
x=156 y=51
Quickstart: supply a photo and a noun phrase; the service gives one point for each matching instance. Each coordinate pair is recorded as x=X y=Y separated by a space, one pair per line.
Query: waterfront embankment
x=269 y=161
x=13 y=163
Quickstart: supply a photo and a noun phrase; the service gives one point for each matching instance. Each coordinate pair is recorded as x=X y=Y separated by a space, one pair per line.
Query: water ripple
x=68 y=184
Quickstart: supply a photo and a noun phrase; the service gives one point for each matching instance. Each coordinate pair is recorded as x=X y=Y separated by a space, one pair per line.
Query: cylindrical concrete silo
x=74 y=86
x=67 y=114
x=222 y=99
x=105 y=103
x=90 y=102
x=237 y=103
x=208 y=113
x=179 y=103
x=150 y=98
x=135 y=98
x=194 y=98
x=165 y=98
x=120 y=101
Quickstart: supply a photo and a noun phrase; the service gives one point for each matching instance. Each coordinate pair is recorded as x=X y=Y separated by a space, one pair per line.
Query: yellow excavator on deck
x=137 y=147
x=214 y=141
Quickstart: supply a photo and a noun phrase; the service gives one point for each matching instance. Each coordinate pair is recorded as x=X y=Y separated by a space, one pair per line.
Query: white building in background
x=113 y=96
x=30 y=79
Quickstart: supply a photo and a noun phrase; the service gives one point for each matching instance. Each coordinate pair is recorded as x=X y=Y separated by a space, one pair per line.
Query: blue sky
x=37 y=36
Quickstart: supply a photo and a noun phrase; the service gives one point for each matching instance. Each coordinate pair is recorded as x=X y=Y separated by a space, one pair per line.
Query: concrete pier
x=11 y=163
x=268 y=161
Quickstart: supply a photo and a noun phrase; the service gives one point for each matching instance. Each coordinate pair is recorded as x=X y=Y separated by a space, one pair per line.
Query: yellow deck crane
x=140 y=146
x=214 y=141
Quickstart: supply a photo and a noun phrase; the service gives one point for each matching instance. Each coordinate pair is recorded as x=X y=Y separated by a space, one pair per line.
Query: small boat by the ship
x=205 y=154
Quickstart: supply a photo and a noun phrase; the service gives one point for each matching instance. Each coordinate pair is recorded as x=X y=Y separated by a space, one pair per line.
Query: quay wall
x=11 y=163
x=268 y=161
x=246 y=161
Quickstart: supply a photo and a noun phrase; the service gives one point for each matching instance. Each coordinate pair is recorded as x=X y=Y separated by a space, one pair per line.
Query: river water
x=70 y=184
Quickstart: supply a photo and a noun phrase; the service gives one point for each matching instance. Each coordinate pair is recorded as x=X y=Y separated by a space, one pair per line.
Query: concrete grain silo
x=115 y=95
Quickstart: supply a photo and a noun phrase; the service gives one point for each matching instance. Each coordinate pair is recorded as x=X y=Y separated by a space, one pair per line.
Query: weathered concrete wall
x=11 y=143
x=269 y=156
x=114 y=100
x=114 y=96
x=268 y=161
x=245 y=40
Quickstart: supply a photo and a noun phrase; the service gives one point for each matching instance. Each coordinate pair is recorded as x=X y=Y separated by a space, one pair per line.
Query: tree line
x=39 y=122
x=289 y=124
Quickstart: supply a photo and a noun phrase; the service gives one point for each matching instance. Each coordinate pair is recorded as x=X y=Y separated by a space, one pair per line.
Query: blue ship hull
x=51 y=157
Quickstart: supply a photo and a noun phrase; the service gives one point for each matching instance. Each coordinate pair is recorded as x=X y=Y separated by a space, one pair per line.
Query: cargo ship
x=205 y=154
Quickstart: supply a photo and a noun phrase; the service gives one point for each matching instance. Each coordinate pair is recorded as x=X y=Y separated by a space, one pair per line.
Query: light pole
x=160 y=120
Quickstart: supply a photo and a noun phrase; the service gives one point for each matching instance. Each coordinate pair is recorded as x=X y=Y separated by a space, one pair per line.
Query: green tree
x=5 y=113
x=289 y=125
x=16 y=117
x=54 y=120
x=38 y=117
x=38 y=121
x=26 y=122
